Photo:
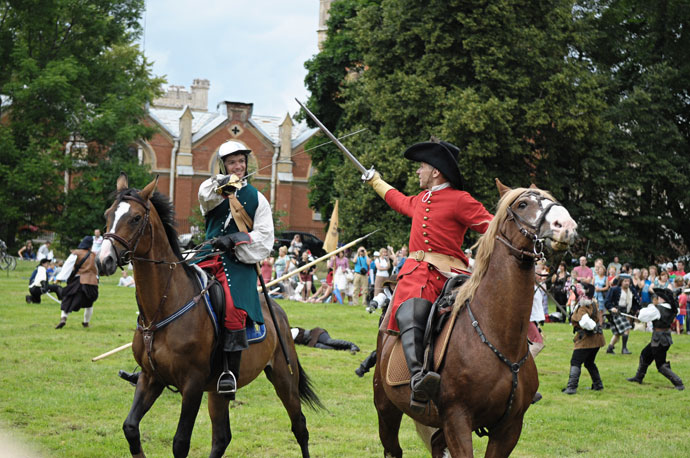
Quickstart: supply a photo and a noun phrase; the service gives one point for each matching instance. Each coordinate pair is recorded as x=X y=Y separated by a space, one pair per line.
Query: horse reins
x=530 y=231
x=126 y=257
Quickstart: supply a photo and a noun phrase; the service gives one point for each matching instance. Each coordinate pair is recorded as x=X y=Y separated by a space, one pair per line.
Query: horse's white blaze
x=121 y=210
x=105 y=250
x=540 y=204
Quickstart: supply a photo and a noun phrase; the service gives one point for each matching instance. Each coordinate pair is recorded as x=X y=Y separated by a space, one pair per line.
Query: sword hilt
x=369 y=174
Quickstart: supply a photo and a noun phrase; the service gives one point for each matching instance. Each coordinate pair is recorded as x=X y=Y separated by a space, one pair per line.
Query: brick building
x=183 y=153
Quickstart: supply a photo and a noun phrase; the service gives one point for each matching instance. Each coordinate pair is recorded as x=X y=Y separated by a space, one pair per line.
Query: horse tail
x=306 y=390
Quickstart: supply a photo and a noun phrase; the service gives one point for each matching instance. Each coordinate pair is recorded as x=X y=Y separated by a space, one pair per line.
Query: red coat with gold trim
x=439 y=222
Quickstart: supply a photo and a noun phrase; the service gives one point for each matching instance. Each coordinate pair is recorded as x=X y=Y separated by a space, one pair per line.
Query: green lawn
x=53 y=398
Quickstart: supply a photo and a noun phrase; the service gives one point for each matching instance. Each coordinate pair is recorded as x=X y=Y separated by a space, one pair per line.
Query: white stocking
x=87 y=314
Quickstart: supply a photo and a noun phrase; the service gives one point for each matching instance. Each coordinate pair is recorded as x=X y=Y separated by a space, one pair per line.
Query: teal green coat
x=242 y=279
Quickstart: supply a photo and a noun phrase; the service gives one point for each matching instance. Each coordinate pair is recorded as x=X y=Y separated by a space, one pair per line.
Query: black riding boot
x=597 y=384
x=624 y=350
x=666 y=371
x=367 y=364
x=641 y=371
x=412 y=317
x=339 y=344
x=573 y=380
x=233 y=344
x=132 y=377
x=227 y=382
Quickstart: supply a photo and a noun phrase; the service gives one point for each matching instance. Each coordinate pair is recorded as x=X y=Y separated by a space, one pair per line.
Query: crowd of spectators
x=634 y=283
x=352 y=277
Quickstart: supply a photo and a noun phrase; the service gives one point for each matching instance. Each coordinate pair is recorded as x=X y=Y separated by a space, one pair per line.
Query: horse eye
x=136 y=219
x=522 y=204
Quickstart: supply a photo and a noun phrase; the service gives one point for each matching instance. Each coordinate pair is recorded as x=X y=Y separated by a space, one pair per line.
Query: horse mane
x=166 y=213
x=485 y=246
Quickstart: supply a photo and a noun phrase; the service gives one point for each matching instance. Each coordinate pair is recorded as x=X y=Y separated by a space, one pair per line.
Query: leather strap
x=442 y=262
x=240 y=215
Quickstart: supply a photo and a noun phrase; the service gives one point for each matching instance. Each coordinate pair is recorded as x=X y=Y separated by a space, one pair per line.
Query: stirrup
x=222 y=378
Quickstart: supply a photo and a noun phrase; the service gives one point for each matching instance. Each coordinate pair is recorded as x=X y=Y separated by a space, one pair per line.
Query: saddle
x=436 y=336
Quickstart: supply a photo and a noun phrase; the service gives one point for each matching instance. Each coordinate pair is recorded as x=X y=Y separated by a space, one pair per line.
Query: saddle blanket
x=255 y=333
x=398 y=372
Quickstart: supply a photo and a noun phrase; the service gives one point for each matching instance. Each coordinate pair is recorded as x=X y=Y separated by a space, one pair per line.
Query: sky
x=250 y=51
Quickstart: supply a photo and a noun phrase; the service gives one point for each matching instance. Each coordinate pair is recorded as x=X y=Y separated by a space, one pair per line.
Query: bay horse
x=181 y=354
x=488 y=379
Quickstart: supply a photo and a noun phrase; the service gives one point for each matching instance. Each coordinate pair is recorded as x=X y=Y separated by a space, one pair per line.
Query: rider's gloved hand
x=376 y=182
x=226 y=243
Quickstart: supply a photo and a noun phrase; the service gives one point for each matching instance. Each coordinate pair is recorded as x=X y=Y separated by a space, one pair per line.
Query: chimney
x=200 y=89
x=238 y=111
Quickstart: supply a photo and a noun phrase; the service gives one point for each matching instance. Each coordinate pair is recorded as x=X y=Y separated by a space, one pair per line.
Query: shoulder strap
x=78 y=266
x=240 y=215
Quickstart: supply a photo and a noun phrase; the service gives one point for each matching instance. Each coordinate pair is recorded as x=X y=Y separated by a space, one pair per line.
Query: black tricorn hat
x=665 y=294
x=440 y=155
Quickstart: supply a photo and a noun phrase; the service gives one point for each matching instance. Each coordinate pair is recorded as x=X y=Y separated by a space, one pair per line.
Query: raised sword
x=366 y=174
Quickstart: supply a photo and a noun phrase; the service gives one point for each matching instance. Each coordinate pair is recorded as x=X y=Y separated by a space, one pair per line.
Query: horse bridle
x=126 y=257
x=528 y=229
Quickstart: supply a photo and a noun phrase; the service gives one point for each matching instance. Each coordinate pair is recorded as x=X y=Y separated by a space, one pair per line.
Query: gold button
x=438 y=278
x=424 y=234
x=426 y=241
x=428 y=201
x=424 y=225
x=426 y=218
x=427 y=209
x=429 y=249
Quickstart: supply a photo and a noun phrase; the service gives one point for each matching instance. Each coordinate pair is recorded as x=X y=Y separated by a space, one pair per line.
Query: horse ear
x=502 y=189
x=533 y=186
x=122 y=182
x=148 y=190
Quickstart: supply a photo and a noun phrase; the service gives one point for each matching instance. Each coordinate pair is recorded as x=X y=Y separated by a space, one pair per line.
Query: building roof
x=204 y=122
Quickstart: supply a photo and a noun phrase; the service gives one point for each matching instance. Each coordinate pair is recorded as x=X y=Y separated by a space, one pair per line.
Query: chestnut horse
x=487 y=378
x=181 y=353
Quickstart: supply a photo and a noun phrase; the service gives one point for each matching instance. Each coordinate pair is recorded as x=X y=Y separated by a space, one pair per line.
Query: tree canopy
x=74 y=87
x=583 y=98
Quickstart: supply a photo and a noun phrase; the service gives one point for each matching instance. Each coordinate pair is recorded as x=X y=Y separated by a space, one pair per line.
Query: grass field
x=59 y=403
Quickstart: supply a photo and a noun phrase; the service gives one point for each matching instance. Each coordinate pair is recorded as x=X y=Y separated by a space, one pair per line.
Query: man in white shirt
x=40 y=284
x=44 y=252
x=126 y=280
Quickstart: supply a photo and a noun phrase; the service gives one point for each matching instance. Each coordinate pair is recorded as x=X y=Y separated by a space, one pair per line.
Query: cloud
x=251 y=51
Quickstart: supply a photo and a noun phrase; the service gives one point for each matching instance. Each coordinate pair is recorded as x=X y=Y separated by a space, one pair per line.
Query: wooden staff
x=316 y=261
x=111 y=352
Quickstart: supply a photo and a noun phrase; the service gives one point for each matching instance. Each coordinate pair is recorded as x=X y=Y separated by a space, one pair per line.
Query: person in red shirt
x=441 y=214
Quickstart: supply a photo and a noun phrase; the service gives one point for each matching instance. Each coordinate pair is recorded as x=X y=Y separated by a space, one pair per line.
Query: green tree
x=71 y=75
x=498 y=79
x=643 y=51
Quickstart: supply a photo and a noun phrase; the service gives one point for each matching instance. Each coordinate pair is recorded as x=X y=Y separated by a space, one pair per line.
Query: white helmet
x=228 y=148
